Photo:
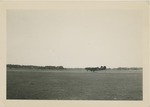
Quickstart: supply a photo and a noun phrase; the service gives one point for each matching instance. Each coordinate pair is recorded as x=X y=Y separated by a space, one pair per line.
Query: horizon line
x=75 y=67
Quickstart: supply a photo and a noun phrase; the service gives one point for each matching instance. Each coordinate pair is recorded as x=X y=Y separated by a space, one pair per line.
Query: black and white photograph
x=78 y=52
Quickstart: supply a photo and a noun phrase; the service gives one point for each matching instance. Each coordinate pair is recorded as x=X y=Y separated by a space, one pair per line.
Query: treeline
x=93 y=69
x=11 y=66
x=127 y=68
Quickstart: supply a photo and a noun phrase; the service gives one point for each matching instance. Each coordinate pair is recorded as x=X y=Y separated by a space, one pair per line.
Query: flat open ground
x=74 y=85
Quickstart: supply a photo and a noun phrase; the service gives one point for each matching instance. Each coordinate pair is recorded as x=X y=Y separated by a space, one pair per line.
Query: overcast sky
x=75 y=38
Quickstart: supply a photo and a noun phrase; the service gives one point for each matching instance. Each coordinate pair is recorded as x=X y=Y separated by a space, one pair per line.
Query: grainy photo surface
x=74 y=54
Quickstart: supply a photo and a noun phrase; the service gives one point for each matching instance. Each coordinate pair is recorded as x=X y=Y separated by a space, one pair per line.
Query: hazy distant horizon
x=75 y=67
x=75 y=38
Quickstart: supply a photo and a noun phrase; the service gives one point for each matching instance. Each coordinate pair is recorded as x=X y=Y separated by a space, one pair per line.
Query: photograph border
x=140 y=5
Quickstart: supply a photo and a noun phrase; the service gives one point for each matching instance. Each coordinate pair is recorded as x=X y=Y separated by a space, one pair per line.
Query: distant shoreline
x=17 y=66
x=73 y=70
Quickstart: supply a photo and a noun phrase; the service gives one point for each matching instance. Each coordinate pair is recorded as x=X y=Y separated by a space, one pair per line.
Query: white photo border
x=141 y=6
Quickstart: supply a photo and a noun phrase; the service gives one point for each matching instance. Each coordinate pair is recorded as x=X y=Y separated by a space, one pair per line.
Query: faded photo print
x=74 y=54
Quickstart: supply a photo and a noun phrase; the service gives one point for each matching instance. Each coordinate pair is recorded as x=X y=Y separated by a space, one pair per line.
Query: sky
x=75 y=38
